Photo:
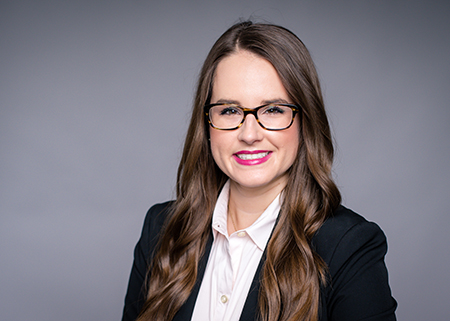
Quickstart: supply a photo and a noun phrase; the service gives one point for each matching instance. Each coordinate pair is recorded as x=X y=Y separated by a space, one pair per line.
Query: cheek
x=292 y=142
x=217 y=142
x=291 y=148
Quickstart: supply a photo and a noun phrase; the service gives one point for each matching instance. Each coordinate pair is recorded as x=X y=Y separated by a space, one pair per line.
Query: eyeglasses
x=273 y=116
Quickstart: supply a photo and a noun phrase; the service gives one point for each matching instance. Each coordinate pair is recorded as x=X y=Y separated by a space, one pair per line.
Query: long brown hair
x=292 y=273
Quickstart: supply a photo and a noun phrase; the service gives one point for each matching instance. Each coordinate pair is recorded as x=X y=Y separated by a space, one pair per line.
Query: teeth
x=252 y=156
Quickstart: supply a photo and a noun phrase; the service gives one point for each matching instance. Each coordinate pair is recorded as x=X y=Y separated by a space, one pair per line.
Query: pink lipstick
x=254 y=157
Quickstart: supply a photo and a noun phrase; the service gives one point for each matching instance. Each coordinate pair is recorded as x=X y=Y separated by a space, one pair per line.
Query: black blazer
x=352 y=247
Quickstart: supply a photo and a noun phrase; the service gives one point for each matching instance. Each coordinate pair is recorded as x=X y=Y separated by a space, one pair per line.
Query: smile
x=252 y=156
x=248 y=158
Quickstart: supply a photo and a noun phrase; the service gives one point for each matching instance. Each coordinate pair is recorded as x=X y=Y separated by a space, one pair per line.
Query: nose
x=250 y=131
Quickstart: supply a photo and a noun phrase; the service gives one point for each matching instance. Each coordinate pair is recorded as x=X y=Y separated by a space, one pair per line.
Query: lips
x=249 y=158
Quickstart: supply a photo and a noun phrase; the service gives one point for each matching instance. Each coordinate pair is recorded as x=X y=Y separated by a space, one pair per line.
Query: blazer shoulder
x=158 y=213
x=153 y=224
x=343 y=226
x=354 y=250
x=144 y=250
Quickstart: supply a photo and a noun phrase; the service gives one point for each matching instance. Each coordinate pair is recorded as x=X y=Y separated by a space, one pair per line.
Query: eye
x=273 y=110
x=229 y=110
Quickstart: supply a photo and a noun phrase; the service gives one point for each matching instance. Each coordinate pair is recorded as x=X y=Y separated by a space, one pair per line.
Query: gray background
x=94 y=103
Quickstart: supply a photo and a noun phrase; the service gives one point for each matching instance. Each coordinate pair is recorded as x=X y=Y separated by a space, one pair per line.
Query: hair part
x=292 y=273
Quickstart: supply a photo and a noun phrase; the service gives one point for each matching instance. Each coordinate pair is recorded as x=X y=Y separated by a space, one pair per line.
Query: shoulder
x=154 y=222
x=343 y=234
x=158 y=213
x=358 y=284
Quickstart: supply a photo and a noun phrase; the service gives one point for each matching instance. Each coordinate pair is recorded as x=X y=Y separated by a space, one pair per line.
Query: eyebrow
x=264 y=102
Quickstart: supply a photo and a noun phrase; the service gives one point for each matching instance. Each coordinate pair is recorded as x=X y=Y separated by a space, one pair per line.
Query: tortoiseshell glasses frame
x=263 y=114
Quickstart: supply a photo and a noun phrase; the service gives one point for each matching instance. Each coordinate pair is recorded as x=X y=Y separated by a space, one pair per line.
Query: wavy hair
x=293 y=273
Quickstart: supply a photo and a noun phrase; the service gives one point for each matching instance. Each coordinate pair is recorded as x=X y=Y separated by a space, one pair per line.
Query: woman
x=257 y=230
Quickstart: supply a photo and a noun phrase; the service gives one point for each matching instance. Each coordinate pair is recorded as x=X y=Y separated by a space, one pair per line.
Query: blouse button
x=241 y=234
x=223 y=299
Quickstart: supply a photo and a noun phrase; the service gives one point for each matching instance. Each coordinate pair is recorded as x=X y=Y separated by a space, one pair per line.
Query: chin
x=257 y=182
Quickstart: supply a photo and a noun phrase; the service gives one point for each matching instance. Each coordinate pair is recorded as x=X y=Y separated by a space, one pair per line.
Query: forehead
x=247 y=78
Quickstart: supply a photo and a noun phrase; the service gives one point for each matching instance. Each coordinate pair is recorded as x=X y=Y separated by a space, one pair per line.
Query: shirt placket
x=237 y=242
x=225 y=281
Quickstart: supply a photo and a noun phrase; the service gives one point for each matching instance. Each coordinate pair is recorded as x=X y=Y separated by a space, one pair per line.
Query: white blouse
x=232 y=262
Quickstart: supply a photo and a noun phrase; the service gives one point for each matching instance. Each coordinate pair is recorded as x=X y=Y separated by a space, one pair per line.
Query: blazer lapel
x=251 y=303
x=249 y=312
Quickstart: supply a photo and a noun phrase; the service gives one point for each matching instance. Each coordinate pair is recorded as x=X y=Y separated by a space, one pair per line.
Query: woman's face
x=250 y=81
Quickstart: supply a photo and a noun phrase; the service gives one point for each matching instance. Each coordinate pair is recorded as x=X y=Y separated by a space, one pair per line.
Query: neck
x=246 y=205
